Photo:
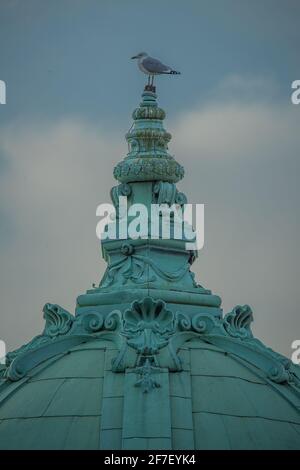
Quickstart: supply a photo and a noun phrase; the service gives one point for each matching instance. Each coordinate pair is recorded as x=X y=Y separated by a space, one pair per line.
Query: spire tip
x=151 y=88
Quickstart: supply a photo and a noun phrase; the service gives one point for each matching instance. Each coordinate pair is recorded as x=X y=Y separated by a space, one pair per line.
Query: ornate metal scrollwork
x=148 y=324
x=58 y=320
x=237 y=322
x=167 y=193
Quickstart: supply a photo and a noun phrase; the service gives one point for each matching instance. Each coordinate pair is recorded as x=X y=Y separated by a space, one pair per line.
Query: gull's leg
x=152 y=80
x=148 y=80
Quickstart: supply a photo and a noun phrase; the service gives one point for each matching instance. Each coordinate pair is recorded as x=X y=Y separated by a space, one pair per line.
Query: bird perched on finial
x=152 y=67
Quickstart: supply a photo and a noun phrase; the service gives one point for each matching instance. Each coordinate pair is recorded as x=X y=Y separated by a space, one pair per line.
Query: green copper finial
x=148 y=158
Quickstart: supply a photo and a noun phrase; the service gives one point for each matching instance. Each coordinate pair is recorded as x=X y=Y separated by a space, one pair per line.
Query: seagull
x=151 y=66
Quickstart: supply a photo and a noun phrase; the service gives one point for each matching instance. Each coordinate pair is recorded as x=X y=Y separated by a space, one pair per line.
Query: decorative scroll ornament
x=127 y=249
x=200 y=323
x=93 y=322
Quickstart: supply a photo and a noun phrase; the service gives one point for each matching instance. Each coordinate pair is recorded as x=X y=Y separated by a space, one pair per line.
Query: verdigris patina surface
x=148 y=360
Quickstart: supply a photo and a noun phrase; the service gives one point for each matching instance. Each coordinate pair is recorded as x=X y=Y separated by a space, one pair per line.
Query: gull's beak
x=134 y=57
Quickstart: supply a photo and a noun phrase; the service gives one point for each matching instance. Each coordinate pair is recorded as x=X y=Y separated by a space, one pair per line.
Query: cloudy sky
x=71 y=89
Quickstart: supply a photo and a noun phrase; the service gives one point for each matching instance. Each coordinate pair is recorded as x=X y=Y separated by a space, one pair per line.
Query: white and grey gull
x=152 y=67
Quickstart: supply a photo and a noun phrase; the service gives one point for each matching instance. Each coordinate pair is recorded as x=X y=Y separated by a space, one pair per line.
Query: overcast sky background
x=71 y=89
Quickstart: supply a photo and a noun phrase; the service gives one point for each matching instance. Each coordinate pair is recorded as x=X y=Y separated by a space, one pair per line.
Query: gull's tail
x=174 y=72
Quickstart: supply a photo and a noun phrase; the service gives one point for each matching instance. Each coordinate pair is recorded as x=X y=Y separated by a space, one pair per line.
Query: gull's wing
x=154 y=66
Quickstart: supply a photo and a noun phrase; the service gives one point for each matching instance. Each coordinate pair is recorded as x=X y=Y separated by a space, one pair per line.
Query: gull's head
x=140 y=55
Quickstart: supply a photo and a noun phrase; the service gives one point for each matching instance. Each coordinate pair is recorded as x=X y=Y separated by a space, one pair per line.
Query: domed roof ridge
x=232 y=334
